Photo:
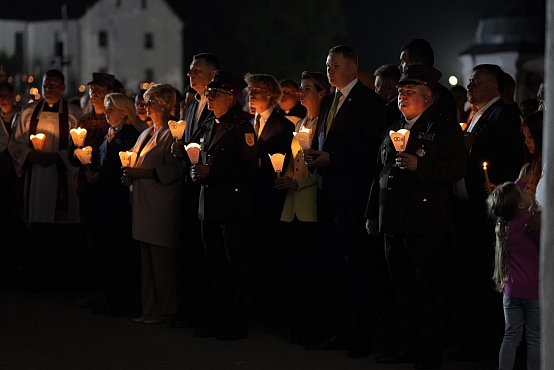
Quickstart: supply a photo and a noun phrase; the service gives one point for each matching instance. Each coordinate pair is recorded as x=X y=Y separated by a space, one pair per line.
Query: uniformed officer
x=226 y=169
x=409 y=199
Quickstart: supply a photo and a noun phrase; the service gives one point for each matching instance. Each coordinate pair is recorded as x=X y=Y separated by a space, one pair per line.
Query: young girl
x=516 y=273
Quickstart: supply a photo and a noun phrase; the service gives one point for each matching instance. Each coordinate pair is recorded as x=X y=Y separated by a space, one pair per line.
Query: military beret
x=103 y=79
x=228 y=81
x=420 y=75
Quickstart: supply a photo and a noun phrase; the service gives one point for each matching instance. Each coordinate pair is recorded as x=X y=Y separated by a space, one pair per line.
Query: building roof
x=39 y=10
x=520 y=26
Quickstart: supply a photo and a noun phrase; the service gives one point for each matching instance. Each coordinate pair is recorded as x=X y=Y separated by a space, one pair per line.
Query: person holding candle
x=493 y=136
x=96 y=126
x=344 y=152
x=111 y=218
x=50 y=187
x=156 y=180
x=226 y=172
x=299 y=217
x=409 y=204
x=274 y=133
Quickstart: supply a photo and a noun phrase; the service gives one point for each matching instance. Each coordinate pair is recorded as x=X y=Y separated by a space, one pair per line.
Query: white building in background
x=136 y=40
x=513 y=38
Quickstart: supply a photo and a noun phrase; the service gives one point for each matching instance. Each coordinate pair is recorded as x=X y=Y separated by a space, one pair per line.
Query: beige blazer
x=156 y=205
x=302 y=201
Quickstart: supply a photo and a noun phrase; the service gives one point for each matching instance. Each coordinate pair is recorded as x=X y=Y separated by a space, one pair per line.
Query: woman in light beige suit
x=299 y=218
x=156 y=181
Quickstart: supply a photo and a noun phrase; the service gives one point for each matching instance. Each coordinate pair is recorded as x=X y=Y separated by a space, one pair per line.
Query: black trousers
x=345 y=255
x=228 y=255
x=416 y=265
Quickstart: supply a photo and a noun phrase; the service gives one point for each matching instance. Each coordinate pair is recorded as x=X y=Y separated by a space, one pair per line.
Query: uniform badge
x=250 y=141
x=420 y=152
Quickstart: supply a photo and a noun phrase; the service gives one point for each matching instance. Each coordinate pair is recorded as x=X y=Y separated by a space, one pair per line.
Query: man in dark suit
x=289 y=104
x=226 y=172
x=420 y=52
x=193 y=306
x=344 y=153
x=386 y=79
x=274 y=133
x=492 y=136
x=409 y=203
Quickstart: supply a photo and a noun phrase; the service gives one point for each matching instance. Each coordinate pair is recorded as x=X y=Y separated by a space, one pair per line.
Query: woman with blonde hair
x=112 y=211
x=156 y=180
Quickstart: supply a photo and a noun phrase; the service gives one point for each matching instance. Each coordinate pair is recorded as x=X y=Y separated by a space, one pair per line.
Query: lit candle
x=38 y=141
x=193 y=151
x=78 y=136
x=400 y=139
x=128 y=159
x=177 y=129
x=277 y=160
x=304 y=138
x=487 y=177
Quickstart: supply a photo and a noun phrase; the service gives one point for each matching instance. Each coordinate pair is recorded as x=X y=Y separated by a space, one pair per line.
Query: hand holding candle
x=277 y=161
x=78 y=136
x=487 y=177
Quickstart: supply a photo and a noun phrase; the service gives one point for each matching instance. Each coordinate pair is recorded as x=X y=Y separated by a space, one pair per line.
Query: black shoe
x=429 y=363
x=233 y=334
x=396 y=357
x=334 y=342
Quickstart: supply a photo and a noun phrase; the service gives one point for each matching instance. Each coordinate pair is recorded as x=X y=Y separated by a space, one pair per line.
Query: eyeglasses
x=213 y=92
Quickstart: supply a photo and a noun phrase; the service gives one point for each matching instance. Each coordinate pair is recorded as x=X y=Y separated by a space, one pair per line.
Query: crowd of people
x=396 y=201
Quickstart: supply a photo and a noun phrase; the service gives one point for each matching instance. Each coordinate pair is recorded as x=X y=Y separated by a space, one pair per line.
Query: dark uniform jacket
x=416 y=202
x=276 y=137
x=229 y=148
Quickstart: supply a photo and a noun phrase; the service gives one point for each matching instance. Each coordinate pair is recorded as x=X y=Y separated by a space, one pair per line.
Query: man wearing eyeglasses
x=225 y=172
x=50 y=183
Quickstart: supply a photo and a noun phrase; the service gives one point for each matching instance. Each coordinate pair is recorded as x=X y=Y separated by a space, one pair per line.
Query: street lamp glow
x=453 y=80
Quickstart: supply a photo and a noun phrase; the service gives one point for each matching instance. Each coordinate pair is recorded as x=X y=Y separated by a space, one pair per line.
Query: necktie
x=333 y=111
x=257 y=125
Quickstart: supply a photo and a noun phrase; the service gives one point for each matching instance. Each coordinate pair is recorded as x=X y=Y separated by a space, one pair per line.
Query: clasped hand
x=315 y=158
x=199 y=172
x=406 y=161
x=43 y=159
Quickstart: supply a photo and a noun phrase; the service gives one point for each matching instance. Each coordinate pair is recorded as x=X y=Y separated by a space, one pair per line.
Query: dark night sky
x=376 y=29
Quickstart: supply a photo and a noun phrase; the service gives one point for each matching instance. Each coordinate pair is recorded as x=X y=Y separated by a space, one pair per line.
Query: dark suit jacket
x=352 y=144
x=189 y=117
x=445 y=103
x=499 y=143
x=276 y=137
x=230 y=151
x=416 y=202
